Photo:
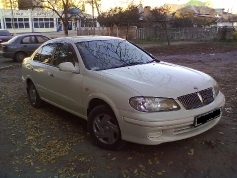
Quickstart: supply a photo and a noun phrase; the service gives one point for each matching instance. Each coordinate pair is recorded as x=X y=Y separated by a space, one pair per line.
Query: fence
x=196 y=34
x=122 y=32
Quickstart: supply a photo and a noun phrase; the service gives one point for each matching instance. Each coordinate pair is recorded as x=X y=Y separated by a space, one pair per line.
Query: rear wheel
x=19 y=56
x=34 y=97
x=104 y=128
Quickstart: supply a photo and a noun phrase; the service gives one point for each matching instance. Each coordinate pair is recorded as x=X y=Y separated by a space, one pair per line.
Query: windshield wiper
x=127 y=64
x=133 y=63
x=154 y=60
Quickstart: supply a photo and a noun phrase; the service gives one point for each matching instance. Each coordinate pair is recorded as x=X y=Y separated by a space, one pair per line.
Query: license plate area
x=202 y=119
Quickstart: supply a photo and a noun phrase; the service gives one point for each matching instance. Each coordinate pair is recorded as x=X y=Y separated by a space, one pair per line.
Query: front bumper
x=160 y=127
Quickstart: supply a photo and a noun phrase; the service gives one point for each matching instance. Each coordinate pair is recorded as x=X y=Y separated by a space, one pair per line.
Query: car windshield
x=109 y=54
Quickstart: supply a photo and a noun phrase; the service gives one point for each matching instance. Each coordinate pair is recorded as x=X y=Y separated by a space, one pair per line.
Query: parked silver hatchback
x=123 y=92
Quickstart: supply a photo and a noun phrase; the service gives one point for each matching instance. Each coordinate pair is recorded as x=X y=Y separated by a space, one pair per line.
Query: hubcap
x=20 y=56
x=106 y=129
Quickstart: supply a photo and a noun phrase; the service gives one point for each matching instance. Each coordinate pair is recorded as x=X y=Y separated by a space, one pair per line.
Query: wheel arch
x=14 y=57
x=97 y=102
x=28 y=81
x=20 y=51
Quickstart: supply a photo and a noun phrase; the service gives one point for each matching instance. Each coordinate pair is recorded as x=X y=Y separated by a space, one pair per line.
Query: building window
x=8 y=22
x=17 y=22
x=43 y=22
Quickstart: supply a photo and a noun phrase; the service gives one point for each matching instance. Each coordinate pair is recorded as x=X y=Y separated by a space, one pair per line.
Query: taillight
x=3 y=48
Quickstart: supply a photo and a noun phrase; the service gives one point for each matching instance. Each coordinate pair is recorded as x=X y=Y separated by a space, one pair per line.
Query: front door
x=66 y=86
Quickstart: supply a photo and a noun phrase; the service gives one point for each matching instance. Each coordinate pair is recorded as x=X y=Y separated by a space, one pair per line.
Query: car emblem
x=200 y=97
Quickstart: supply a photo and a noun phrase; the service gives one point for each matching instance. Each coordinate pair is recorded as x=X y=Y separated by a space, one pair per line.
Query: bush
x=235 y=35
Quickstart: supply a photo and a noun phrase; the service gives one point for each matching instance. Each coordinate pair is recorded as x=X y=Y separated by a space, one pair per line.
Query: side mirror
x=68 y=67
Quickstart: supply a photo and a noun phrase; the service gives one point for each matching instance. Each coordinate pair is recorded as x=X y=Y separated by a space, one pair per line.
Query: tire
x=104 y=129
x=34 y=97
x=19 y=56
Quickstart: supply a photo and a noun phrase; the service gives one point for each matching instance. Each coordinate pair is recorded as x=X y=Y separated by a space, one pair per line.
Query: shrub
x=235 y=35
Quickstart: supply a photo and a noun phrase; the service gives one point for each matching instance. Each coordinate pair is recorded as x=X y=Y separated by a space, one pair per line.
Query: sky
x=230 y=5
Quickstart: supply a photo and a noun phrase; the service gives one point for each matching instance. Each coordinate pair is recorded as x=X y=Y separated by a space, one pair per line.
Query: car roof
x=27 y=34
x=83 y=38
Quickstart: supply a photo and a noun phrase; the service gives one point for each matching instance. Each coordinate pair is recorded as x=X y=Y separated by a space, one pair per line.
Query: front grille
x=197 y=100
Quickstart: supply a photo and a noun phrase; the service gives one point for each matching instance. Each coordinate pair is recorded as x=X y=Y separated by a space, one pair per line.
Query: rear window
x=4 y=33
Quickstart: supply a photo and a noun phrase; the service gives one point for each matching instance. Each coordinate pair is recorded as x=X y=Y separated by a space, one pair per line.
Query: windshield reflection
x=109 y=54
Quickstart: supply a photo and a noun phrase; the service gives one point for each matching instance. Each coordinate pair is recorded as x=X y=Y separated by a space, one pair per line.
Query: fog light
x=154 y=136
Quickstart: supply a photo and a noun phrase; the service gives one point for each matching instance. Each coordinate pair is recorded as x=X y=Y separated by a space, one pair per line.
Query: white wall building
x=22 y=21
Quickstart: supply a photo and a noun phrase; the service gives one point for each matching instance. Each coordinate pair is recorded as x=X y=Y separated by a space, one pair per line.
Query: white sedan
x=123 y=92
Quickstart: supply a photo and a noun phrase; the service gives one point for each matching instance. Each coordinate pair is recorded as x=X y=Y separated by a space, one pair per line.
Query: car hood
x=160 y=79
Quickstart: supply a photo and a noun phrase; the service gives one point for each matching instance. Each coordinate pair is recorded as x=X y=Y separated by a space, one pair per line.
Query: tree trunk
x=65 y=28
x=127 y=29
x=167 y=33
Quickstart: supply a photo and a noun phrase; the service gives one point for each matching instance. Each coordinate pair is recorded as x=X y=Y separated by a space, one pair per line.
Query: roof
x=85 y=38
x=228 y=18
x=198 y=10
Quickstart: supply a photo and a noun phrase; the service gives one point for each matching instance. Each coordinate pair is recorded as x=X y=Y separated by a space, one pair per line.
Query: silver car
x=22 y=46
x=123 y=92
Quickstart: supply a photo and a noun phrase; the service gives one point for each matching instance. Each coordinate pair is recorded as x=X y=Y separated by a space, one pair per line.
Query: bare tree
x=60 y=7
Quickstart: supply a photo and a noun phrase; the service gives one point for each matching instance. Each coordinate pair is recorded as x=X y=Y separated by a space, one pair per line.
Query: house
x=227 y=20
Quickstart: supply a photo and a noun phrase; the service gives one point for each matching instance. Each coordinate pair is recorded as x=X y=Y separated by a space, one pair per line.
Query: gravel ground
x=49 y=142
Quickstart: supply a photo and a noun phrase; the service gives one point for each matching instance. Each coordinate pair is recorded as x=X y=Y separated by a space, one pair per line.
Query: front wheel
x=104 y=128
x=34 y=97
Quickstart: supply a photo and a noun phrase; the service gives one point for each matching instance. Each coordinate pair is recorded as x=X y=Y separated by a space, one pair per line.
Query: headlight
x=216 y=89
x=151 y=104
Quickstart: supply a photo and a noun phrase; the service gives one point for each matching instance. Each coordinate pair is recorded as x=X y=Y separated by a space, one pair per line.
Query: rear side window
x=45 y=54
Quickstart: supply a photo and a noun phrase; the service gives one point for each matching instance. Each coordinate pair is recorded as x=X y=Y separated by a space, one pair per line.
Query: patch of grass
x=224 y=42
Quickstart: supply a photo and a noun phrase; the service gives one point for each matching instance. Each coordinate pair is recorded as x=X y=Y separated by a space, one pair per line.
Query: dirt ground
x=49 y=142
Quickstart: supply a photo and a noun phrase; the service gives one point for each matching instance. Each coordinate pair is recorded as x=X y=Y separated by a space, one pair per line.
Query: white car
x=123 y=92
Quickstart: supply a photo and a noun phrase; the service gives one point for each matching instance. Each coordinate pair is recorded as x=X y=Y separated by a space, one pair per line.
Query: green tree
x=160 y=21
x=111 y=17
x=181 y=22
x=120 y=17
x=24 y=4
x=196 y=3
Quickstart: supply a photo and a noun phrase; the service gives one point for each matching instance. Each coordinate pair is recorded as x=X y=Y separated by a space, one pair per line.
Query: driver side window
x=64 y=53
x=45 y=54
